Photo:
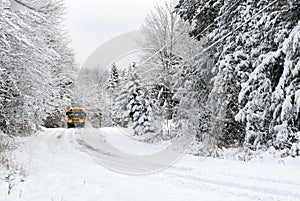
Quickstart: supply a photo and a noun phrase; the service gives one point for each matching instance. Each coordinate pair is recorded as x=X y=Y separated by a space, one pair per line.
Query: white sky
x=93 y=22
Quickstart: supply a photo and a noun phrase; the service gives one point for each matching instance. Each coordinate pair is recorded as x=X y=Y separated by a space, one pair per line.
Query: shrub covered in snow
x=5 y=142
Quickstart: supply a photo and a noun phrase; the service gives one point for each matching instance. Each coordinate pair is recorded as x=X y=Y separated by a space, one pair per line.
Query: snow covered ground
x=63 y=165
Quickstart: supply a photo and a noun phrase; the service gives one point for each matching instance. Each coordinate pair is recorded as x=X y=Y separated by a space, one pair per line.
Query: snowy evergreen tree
x=221 y=18
x=134 y=105
x=286 y=97
x=120 y=115
x=246 y=43
x=232 y=62
x=113 y=87
x=273 y=25
x=202 y=14
x=114 y=80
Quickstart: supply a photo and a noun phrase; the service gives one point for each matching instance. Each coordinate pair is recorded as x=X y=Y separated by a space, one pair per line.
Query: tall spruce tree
x=114 y=79
x=134 y=105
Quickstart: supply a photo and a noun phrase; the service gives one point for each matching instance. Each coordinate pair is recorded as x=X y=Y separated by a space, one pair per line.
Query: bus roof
x=75 y=109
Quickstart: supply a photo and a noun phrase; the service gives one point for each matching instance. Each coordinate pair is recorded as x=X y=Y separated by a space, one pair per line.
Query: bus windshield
x=75 y=114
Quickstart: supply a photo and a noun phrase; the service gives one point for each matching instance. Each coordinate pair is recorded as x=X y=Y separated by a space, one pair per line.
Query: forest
x=225 y=73
x=37 y=68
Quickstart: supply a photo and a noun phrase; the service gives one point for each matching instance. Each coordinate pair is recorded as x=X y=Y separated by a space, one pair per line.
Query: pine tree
x=246 y=40
x=272 y=27
x=231 y=69
x=202 y=14
x=287 y=94
x=220 y=19
x=134 y=104
x=141 y=112
x=113 y=81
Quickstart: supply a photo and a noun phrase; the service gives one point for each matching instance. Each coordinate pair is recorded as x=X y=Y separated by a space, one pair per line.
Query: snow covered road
x=66 y=165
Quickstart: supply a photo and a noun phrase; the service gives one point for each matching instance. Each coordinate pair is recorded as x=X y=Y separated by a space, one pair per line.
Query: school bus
x=76 y=117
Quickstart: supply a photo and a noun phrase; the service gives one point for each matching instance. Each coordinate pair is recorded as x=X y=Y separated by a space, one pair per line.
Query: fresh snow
x=125 y=143
x=60 y=168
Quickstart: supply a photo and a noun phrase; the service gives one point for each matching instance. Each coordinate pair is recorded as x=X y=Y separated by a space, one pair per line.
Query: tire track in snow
x=231 y=184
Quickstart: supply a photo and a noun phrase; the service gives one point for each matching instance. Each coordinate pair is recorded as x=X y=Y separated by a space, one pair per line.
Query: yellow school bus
x=76 y=117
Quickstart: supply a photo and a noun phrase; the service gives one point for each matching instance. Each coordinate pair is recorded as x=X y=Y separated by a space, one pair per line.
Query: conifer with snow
x=114 y=79
x=134 y=105
x=253 y=99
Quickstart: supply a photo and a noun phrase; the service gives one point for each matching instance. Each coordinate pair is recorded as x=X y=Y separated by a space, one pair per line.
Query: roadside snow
x=123 y=142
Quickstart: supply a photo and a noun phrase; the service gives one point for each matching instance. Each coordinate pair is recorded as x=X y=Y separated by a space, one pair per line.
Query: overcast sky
x=93 y=22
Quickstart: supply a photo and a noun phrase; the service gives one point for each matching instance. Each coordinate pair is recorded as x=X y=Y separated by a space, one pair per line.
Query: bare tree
x=168 y=61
